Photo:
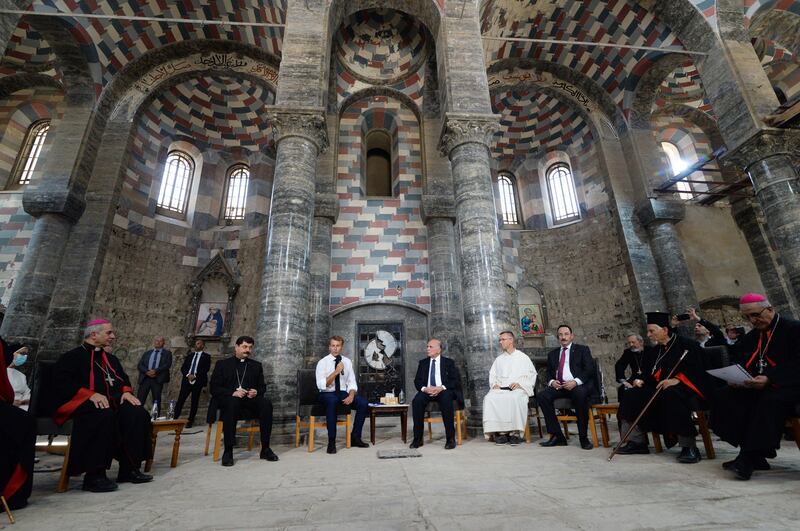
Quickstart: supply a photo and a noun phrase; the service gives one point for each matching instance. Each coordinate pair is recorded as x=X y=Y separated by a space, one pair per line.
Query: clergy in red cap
x=670 y=413
x=109 y=422
x=752 y=417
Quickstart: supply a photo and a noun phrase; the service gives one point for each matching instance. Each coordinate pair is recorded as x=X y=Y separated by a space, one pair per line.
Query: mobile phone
x=682 y=317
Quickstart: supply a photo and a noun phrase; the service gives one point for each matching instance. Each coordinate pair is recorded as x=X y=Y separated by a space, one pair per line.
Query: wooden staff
x=644 y=409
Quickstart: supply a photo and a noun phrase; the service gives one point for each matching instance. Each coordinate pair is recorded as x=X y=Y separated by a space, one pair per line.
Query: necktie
x=338 y=381
x=561 y=360
x=155 y=358
x=195 y=361
x=433 y=373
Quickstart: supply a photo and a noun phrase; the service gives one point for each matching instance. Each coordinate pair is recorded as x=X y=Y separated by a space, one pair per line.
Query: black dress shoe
x=689 y=455
x=586 y=444
x=268 y=454
x=99 y=484
x=358 y=443
x=134 y=476
x=742 y=469
x=331 y=447
x=632 y=448
x=415 y=443
x=554 y=441
x=450 y=444
x=227 y=458
x=513 y=440
x=759 y=463
x=190 y=424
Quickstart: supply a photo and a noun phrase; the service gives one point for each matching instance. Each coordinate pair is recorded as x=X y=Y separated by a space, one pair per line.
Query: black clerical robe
x=752 y=418
x=17 y=440
x=121 y=431
x=671 y=411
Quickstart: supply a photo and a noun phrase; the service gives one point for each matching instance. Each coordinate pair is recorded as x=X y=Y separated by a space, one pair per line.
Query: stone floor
x=477 y=486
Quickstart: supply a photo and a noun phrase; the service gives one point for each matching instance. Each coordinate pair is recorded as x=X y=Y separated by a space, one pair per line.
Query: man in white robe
x=511 y=381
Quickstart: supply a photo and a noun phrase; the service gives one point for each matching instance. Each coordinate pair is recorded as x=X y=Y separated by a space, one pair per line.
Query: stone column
x=282 y=327
x=766 y=160
x=465 y=139
x=748 y=217
x=446 y=319
x=319 y=319
x=660 y=218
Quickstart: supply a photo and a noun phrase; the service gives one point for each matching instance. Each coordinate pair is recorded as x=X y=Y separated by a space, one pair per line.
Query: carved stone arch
x=704 y=121
x=13 y=83
x=644 y=92
x=219 y=271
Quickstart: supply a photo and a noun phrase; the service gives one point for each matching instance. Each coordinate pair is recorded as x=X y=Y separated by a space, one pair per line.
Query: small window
x=175 y=184
x=508 y=199
x=29 y=154
x=379 y=164
x=678 y=165
x=561 y=189
x=236 y=193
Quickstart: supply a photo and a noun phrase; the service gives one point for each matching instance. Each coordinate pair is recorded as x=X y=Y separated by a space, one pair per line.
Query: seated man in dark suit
x=437 y=380
x=194 y=376
x=154 y=372
x=571 y=374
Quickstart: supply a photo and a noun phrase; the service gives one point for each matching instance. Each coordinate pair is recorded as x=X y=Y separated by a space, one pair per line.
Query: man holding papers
x=751 y=415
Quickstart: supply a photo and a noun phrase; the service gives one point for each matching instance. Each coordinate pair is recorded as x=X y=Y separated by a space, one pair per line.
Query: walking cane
x=644 y=409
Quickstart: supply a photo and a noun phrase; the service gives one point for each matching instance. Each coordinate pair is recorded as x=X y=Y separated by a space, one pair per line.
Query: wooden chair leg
x=218 y=440
x=464 y=433
x=539 y=424
x=704 y=433
x=430 y=428
x=7 y=510
x=566 y=428
x=528 y=430
x=311 y=430
x=251 y=435
x=592 y=427
x=657 y=443
x=63 y=480
x=208 y=438
x=347 y=427
x=296 y=431
x=458 y=427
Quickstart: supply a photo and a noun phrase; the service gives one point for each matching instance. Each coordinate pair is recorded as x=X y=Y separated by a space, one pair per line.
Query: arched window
x=379 y=164
x=29 y=154
x=508 y=199
x=176 y=183
x=561 y=190
x=236 y=193
x=678 y=165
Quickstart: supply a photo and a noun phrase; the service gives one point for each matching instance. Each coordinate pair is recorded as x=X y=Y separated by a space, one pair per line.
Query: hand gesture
x=555 y=384
x=339 y=367
x=638 y=383
x=348 y=399
x=757 y=382
x=692 y=313
x=240 y=393
x=99 y=401
x=514 y=385
x=570 y=385
x=251 y=393
x=127 y=397
x=663 y=384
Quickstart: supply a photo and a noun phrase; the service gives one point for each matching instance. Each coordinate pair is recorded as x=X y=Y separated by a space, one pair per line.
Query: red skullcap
x=747 y=298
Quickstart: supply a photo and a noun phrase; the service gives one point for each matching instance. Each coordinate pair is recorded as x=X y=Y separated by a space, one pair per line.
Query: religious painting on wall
x=530 y=319
x=211 y=319
x=380 y=362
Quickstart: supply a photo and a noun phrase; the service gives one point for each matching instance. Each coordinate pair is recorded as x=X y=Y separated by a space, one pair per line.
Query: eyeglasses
x=755 y=315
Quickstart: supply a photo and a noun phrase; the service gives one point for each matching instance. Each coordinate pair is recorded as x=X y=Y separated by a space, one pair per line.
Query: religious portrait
x=530 y=319
x=211 y=319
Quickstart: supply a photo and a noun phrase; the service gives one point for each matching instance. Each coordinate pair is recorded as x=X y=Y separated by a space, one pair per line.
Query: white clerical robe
x=504 y=410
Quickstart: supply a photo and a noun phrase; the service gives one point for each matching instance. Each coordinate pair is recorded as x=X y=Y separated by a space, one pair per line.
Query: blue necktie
x=195 y=361
x=155 y=359
x=433 y=373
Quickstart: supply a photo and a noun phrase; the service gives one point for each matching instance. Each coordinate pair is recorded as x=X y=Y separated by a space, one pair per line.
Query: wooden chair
x=308 y=406
x=794 y=424
x=533 y=411
x=460 y=420
x=701 y=421
x=43 y=405
x=250 y=427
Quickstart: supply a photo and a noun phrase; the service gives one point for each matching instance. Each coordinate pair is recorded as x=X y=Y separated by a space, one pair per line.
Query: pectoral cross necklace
x=108 y=376
x=762 y=353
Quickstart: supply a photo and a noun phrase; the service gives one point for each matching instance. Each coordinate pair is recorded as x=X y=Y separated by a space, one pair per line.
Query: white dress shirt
x=567 y=374
x=347 y=378
x=193 y=366
x=438 y=374
x=20 y=385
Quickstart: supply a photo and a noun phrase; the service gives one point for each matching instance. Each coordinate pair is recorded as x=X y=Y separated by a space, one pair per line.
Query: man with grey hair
x=154 y=372
x=93 y=390
x=632 y=358
x=751 y=416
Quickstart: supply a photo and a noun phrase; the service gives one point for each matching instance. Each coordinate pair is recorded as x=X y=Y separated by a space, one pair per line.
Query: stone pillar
x=282 y=327
x=319 y=319
x=660 y=218
x=446 y=321
x=465 y=139
x=748 y=217
x=767 y=161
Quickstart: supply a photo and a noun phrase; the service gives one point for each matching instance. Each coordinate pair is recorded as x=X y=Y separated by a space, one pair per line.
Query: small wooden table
x=177 y=426
x=391 y=410
x=601 y=411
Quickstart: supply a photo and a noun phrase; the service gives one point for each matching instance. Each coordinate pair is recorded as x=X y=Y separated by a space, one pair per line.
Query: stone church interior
x=391 y=171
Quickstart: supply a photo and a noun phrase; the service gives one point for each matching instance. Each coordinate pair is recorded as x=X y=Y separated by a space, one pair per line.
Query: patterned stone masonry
x=16 y=227
x=27 y=49
x=379 y=245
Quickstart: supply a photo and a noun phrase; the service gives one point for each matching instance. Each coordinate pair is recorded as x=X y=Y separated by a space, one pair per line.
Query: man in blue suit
x=154 y=371
x=437 y=380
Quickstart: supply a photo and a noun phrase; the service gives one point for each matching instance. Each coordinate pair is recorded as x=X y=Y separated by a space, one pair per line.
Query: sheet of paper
x=733 y=374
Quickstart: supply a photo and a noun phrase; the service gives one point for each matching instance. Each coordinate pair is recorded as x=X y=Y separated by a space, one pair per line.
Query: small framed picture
x=211 y=319
x=530 y=320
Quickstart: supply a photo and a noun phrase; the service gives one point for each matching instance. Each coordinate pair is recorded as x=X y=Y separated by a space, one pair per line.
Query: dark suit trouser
x=445 y=400
x=150 y=385
x=332 y=399
x=235 y=409
x=183 y=394
x=580 y=401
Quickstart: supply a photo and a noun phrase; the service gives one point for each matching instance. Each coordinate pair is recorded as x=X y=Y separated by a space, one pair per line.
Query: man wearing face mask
x=22 y=393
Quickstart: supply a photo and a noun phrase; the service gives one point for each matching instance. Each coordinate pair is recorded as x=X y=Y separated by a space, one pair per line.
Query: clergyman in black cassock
x=108 y=421
x=632 y=358
x=670 y=413
x=238 y=387
x=752 y=417
x=194 y=377
x=17 y=440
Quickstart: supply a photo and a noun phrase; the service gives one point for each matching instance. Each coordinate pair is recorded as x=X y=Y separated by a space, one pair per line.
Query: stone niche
x=347 y=321
x=213 y=292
